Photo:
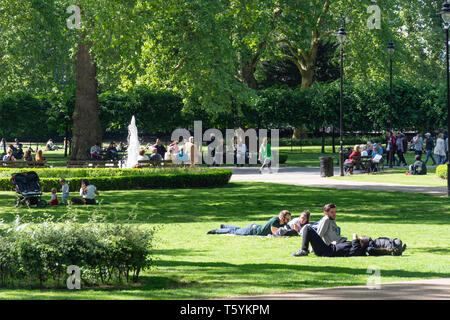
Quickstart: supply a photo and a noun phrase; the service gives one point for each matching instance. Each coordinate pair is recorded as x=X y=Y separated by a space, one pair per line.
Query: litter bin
x=326 y=166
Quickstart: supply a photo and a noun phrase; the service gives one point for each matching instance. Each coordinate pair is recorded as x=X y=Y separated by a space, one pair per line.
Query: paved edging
x=432 y=289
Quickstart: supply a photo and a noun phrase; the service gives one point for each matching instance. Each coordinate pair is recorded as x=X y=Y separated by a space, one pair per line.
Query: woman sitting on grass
x=87 y=192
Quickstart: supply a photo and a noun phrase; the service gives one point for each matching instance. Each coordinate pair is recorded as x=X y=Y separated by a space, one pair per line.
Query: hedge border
x=203 y=179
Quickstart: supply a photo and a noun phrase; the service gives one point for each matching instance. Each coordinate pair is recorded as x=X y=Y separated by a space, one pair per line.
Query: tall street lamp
x=445 y=13
x=341 y=35
x=390 y=49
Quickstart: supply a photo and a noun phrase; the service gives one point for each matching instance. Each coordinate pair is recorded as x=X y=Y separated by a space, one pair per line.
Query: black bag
x=384 y=246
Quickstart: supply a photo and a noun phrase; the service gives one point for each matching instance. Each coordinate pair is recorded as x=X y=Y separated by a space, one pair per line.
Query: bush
x=282 y=158
x=103 y=252
x=130 y=179
x=441 y=171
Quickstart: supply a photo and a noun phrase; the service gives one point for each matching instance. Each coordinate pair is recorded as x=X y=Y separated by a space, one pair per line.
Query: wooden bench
x=156 y=163
x=93 y=164
x=23 y=164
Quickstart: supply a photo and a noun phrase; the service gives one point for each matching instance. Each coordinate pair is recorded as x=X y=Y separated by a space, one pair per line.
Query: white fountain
x=133 y=145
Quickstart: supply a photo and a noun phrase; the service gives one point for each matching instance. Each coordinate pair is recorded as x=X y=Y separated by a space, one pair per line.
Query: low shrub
x=282 y=158
x=441 y=171
x=145 y=179
x=105 y=253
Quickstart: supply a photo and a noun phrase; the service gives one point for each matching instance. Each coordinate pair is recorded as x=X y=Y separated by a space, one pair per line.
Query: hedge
x=441 y=171
x=182 y=179
x=37 y=253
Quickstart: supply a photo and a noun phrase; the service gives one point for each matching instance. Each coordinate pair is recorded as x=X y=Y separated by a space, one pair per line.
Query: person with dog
x=269 y=228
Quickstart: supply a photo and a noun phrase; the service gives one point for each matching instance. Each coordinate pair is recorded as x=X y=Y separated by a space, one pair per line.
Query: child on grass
x=65 y=191
x=54 y=199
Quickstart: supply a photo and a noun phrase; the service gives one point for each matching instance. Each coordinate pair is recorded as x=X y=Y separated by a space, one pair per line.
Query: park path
x=310 y=176
x=433 y=289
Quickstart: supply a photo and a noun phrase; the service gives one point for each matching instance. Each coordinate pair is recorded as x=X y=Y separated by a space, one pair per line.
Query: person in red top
x=391 y=142
x=355 y=156
x=54 y=200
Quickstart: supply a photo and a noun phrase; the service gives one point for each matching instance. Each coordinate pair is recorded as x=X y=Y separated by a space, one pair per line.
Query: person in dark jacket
x=429 y=147
x=160 y=149
x=356 y=247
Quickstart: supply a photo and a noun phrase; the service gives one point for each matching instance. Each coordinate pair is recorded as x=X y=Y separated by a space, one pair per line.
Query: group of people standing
x=324 y=236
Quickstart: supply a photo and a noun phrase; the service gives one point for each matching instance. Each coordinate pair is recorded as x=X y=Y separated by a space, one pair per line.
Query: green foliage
x=124 y=179
x=103 y=252
x=442 y=171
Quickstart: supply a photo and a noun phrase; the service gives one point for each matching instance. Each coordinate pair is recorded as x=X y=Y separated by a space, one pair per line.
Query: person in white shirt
x=65 y=191
x=87 y=192
x=241 y=150
x=142 y=156
x=298 y=223
x=439 y=150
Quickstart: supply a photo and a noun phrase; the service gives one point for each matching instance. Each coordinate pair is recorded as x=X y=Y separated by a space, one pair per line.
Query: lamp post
x=390 y=49
x=341 y=35
x=445 y=13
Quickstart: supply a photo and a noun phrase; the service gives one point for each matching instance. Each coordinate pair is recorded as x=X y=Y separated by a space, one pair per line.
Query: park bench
x=156 y=163
x=93 y=164
x=23 y=164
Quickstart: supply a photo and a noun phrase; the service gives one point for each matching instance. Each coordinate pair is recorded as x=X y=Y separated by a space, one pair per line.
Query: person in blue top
x=377 y=152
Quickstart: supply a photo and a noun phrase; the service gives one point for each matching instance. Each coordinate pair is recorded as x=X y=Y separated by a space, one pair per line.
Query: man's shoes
x=300 y=253
x=403 y=248
x=211 y=232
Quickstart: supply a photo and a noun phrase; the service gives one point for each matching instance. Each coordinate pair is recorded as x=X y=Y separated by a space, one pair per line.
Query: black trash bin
x=326 y=166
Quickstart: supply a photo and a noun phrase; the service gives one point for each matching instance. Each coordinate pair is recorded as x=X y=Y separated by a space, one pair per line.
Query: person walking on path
x=391 y=143
x=429 y=147
x=418 y=143
x=400 y=142
x=439 y=150
x=265 y=155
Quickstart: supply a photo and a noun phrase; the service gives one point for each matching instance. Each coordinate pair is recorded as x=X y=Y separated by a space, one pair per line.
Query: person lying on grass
x=293 y=228
x=254 y=229
x=356 y=247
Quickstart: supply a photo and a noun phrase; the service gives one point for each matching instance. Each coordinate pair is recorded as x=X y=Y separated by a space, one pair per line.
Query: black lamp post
x=390 y=49
x=445 y=13
x=341 y=35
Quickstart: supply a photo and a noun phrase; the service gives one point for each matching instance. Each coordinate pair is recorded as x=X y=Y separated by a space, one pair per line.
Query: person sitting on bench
x=270 y=228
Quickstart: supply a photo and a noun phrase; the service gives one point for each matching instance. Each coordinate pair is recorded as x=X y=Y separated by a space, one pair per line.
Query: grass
x=193 y=265
x=429 y=180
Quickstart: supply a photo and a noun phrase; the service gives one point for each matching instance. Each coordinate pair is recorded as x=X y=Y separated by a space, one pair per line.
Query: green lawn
x=430 y=180
x=193 y=265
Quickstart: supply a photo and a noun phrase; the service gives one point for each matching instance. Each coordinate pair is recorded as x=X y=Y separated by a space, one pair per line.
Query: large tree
x=42 y=52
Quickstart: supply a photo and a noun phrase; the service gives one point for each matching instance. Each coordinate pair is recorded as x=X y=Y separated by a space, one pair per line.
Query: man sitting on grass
x=327 y=228
x=254 y=229
x=343 y=249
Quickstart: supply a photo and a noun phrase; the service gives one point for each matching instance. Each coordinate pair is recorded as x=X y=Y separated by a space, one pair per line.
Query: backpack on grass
x=385 y=246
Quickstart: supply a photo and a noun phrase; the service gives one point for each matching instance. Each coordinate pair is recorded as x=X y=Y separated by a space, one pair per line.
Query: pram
x=29 y=189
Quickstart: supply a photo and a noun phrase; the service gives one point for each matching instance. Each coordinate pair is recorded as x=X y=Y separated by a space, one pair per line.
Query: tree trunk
x=323 y=140
x=86 y=122
x=248 y=75
x=307 y=77
x=334 y=142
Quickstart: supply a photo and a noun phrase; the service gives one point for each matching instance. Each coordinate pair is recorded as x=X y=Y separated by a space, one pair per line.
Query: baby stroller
x=29 y=189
